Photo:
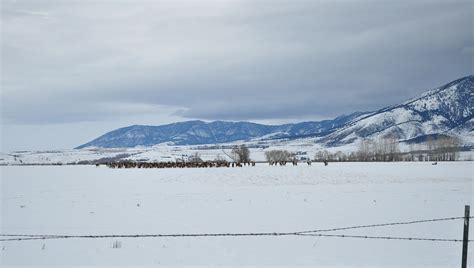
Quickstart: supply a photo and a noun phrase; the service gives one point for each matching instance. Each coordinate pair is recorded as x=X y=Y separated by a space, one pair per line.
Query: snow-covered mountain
x=199 y=132
x=447 y=110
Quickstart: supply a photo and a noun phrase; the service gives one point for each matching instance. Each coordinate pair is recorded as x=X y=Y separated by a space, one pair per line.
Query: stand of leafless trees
x=338 y=156
x=241 y=154
x=279 y=156
x=442 y=148
x=386 y=149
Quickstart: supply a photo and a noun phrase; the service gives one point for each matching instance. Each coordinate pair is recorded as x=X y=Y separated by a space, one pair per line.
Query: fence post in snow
x=465 y=237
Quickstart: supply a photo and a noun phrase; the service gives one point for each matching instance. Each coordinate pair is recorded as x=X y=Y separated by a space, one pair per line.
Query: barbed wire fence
x=307 y=233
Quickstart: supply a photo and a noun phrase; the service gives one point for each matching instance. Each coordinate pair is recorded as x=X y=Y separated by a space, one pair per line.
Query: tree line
x=435 y=148
x=442 y=148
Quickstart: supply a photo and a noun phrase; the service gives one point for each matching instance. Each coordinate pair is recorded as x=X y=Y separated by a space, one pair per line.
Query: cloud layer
x=83 y=61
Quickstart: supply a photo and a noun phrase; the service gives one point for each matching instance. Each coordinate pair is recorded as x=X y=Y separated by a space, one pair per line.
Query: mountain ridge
x=437 y=111
x=444 y=110
x=196 y=132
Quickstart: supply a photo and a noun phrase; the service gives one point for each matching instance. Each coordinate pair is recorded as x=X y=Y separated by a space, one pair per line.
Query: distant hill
x=447 y=110
x=199 y=132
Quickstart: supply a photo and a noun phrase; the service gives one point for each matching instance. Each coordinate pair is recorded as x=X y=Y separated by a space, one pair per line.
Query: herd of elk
x=283 y=163
x=192 y=164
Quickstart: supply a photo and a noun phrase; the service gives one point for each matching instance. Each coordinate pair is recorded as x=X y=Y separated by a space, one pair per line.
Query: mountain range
x=447 y=110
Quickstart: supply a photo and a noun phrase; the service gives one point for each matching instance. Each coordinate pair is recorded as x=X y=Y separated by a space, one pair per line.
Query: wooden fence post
x=465 y=237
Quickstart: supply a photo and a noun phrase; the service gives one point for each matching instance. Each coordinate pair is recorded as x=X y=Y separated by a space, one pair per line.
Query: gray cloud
x=72 y=62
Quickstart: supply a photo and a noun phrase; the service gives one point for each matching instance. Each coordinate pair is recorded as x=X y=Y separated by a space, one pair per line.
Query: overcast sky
x=73 y=70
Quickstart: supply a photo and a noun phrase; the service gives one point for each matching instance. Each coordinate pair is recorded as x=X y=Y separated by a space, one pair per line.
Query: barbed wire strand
x=21 y=237
x=234 y=235
x=382 y=225
x=300 y=232
x=387 y=237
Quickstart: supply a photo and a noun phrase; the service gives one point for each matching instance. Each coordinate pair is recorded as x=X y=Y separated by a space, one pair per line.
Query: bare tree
x=447 y=148
x=339 y=156
x=279 y=156
x=383 y=149
x=392 y=148
x=353 y=156
x=323 y=155
x=411 y=152
x=365 y=149
x=430 y=147
x=196 y=157
x=241 y=153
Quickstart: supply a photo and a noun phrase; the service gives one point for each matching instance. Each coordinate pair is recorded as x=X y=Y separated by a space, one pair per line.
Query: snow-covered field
x=81 y=200
x=302 y=148
x=158 y=153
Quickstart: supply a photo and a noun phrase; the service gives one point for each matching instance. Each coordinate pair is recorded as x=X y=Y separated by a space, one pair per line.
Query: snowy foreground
x=81 y=200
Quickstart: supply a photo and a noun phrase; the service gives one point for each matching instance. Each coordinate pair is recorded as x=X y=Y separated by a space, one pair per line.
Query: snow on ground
x=89 y=200
x=163 y=153
x=63 y=156
x=303 y=148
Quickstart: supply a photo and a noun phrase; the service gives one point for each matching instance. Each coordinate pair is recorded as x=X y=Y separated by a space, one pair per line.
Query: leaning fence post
x=465 y=237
